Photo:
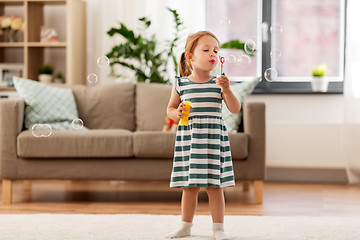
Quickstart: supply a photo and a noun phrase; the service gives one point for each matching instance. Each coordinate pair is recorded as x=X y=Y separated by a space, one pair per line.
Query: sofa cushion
x=109 y=106
x=239 y=145
x=155 y=144
x=46 y=104
x=151 y=103
x=77 y=144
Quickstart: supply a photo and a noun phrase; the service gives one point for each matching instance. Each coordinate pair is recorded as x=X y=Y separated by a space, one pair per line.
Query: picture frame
x=8 y=71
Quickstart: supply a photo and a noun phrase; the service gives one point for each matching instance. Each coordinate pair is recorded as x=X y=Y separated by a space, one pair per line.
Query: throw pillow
x=46 y=104
x=241 y=91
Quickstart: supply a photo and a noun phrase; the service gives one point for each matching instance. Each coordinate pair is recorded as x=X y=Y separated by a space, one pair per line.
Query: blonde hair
x=185 y=67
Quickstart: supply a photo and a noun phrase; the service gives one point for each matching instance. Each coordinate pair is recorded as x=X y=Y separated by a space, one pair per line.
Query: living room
x=100 y=149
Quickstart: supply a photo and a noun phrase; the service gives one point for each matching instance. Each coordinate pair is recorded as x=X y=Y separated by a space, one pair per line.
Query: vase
x=11 y=35
x=319 y=84
x=59 y=80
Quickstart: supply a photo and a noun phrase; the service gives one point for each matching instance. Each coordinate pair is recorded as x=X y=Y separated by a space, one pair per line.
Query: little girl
x=202 y=151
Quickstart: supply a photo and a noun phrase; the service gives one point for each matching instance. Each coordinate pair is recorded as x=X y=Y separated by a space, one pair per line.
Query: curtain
x=352 y=92
x=102 y=15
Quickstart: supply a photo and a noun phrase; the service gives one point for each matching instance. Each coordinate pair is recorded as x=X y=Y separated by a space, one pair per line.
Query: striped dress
x=202 y=155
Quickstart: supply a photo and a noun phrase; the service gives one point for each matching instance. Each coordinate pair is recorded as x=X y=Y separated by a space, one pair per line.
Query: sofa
x=124 y=140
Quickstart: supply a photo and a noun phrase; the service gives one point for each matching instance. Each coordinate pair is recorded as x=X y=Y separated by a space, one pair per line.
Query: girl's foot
x=218 y=231
x=184 y=231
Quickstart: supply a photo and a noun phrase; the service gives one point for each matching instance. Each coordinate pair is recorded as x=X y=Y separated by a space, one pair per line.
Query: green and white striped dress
x=202 y=150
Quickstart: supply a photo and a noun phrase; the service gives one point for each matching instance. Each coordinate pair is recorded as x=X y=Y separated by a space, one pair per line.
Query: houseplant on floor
x=141 y=54
x=319 y=82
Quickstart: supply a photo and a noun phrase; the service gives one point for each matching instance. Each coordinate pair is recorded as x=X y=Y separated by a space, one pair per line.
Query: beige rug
x=128 y=226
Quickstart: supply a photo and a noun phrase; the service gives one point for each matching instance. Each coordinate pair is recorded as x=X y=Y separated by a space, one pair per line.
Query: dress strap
x=177 y=84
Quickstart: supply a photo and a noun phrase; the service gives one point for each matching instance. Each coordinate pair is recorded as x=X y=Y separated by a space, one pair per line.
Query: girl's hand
x=180 y=109
x=224 y=82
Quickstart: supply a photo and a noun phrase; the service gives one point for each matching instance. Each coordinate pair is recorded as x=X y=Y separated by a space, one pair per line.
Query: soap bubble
x=270 y=74
x=41 y=130
x=275 y=54
x=250 y=46
x=47 y=130
x=92 y=78
x=243 y=61
x=230 y=59
x=225 y=21
x=36 y=130
x=276 y=29
x=103 y=62
x=77 y=124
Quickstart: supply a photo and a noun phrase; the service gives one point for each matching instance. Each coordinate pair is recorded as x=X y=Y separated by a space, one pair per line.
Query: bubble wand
x=222 y=60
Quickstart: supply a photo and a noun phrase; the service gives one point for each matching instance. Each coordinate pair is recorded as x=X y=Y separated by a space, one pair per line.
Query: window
x=236 y=19
x=291 y=37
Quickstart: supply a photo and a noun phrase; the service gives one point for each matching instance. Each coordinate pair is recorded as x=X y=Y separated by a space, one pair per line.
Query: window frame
x=298 y=87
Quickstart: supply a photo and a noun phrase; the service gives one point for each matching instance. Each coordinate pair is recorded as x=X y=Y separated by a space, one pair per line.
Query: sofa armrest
x=11 y=121
x=254 y=127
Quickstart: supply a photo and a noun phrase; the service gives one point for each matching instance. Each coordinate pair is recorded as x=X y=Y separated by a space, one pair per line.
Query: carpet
x=139 y=227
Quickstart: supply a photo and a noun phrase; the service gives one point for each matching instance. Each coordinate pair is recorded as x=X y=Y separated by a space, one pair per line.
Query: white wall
x=304 y=130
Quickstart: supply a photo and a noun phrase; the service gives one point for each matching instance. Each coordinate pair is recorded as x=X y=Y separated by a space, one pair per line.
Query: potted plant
x=319 y=82
x=59 y=78
x=141 y=53
x=45 y=73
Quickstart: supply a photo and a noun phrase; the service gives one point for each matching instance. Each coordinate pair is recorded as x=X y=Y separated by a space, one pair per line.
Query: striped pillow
x=46 y=105
x=241 y=91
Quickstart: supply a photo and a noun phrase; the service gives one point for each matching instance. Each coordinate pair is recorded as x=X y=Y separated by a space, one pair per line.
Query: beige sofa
x=125 y=141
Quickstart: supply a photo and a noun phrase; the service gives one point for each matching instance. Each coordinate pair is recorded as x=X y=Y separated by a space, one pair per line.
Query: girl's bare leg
x=216 y=203
x=188 y=207
x=217 y=209
x=189 y=203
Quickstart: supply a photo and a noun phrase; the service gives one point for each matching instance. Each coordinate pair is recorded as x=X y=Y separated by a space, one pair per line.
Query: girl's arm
x=175 y=108
x=232 y=103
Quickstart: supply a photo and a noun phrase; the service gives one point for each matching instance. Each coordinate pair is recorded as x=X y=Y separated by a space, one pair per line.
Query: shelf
x=46 y=44
x=12 y=44
x=7 y=89
x=12 y=64
x=55 y=2
x=67 y=17
x=11 y=2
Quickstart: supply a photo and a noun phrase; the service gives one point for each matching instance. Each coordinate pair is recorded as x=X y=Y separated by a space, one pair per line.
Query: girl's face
x=206 y=54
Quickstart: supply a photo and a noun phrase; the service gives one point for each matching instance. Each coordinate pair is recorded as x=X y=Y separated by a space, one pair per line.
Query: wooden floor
x=103 y=197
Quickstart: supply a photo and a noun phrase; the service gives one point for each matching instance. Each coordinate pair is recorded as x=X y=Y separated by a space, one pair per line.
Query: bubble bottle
x=184 y=121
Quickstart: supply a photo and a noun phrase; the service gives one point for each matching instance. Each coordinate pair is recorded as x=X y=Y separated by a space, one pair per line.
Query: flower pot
x=319 y=84
x=45 y=78
x=59 y=80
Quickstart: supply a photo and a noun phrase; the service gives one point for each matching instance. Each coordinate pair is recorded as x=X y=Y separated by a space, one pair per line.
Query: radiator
x=305 y=145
